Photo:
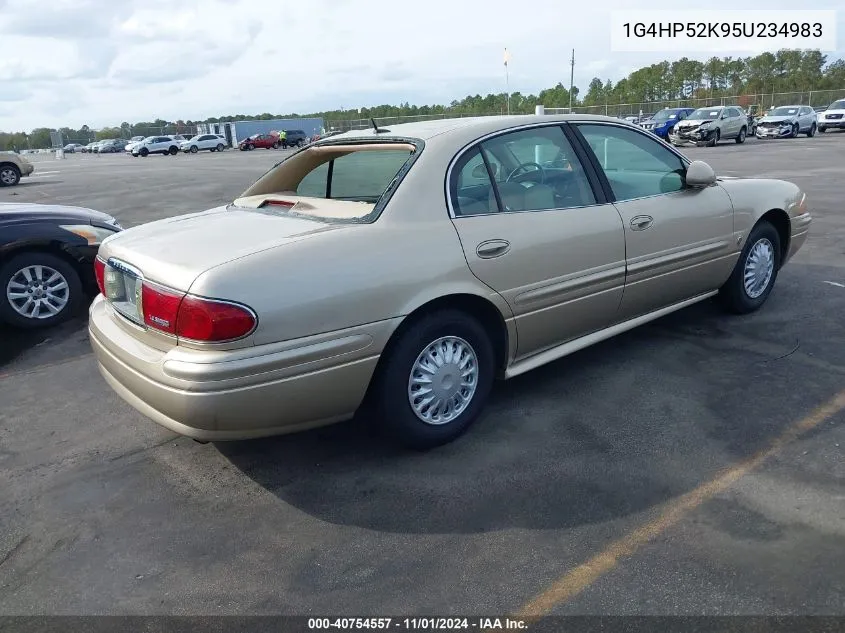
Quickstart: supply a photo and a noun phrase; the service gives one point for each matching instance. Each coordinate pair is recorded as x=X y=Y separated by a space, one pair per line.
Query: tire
x=173 y=150
x=275 y=146
x=812 y=131
x=220 y=147
x=822 y=129
x=10 y=175
x=250 y=147
x=735 y=295
x=194 y=149
x=795 y=130
x=144 y=152
x=13 y=280
x=716 y=138
x=391 y=397
x=740 y=139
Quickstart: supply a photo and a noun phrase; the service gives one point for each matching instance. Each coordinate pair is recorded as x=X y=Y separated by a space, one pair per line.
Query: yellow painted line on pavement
x=577 y=580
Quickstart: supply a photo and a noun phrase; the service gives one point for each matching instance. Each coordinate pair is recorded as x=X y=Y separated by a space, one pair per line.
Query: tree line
x=787 y=71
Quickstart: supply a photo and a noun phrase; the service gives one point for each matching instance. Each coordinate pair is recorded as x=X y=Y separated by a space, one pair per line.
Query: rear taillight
x=213 y=321
x=100 y=274
x=195 y=318
x=160 y=307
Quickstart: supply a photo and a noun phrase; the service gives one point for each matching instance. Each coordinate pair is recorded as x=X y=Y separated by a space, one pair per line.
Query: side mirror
x=700 y=174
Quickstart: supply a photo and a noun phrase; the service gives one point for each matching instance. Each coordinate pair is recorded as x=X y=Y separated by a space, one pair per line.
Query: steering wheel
x=539 y=169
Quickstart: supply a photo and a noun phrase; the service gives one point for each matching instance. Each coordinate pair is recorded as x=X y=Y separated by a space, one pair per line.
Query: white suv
x=211 y=142
x=157 y=145
x=833 y=117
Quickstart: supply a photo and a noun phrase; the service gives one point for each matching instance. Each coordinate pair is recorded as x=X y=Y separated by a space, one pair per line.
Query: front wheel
x=795 y=130
x=741 y=138
x=435 y=380
x=250 y=146
x=10 y=175
x=194 y=149
x=812 y=131
x=38 y=290
x=715 y=139
x=755 y=272
x=144 y=152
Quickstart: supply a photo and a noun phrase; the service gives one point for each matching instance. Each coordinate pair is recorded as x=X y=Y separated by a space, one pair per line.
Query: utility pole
x=571 y=78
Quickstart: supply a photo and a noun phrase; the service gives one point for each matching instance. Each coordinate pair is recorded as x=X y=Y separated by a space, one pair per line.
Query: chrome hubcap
x=7 y=176
x=37 y=292
x=443 y=380
x=759 y=267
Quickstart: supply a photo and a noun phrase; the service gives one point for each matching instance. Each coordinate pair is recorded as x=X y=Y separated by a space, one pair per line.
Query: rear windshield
x=331 y=182
x=356 y=177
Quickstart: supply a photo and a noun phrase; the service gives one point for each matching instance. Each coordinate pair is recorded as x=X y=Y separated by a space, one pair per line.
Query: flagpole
x=507 y=82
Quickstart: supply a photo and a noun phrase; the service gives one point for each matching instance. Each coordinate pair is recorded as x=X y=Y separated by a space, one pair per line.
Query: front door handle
x=642 y=222
x=492 y=248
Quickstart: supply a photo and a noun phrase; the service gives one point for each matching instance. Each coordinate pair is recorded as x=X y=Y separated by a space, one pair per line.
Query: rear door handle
x=642 y=222
x=492 y=248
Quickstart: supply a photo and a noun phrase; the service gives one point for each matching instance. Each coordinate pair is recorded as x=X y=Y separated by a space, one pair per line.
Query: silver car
x=708 y=126
x=788 y=122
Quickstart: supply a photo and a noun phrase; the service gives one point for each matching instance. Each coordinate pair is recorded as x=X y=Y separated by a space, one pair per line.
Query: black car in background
x=296 y=138
x=47 y=260
x=112 y=146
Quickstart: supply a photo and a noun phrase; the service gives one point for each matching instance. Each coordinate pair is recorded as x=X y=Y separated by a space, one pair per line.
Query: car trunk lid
x=174 y=252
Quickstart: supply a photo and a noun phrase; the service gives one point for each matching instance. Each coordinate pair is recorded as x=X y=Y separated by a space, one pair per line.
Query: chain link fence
x=751 y=102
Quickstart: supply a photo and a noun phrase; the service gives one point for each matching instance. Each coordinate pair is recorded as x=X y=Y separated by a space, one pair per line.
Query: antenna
x=377 y=129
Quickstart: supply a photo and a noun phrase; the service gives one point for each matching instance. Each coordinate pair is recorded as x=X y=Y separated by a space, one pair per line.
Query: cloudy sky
x=100 y=62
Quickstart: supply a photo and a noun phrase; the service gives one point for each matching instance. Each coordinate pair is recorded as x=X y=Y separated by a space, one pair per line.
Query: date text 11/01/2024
x=418 y=624
x=723 y=29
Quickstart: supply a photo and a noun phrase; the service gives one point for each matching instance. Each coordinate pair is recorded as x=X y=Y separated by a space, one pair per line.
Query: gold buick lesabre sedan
x=403 y=270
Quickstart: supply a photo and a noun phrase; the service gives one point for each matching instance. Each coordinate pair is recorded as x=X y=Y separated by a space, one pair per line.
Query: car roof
x=427 y=130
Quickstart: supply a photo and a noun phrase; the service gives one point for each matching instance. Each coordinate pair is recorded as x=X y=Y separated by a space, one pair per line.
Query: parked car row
x=272 y=140
x=710 y=125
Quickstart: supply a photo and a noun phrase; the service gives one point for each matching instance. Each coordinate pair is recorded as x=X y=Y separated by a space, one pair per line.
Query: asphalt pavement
x=692 y=466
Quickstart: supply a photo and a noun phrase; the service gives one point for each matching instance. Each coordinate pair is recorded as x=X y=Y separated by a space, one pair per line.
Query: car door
x=536 y=230
x=679 y=240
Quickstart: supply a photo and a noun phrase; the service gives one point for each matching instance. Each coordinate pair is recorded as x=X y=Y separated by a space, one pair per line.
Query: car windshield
x=783 y=111
x=196 y=138
x=253 y=137
x=335 y=183
x=837 y=105
x=665 y=115
x=705 y=114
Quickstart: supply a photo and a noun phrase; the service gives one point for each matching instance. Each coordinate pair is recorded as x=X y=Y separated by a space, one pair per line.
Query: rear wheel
x=173 y=150
x=755 y=272
x=435 y=380
x=38 y=290
x=9 y=175
x=741 y=137
x=219 y=147
x=812 y=131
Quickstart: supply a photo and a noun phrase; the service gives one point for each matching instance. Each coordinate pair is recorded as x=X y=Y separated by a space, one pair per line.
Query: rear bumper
x=241 y=394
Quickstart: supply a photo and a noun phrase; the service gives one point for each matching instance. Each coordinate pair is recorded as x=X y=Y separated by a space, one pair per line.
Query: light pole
x=571 y=78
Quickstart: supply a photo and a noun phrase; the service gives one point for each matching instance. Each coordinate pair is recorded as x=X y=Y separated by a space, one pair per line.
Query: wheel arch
x=50 y=248
x=780 y=220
